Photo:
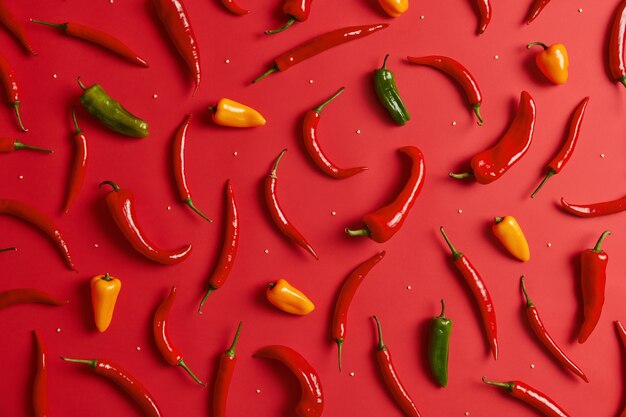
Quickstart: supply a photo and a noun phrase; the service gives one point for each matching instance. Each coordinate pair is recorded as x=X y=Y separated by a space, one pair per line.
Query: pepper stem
x=111 y=183
x=455 y=253
x=599 y=243
x=275 y=166
x=231 y=350
x=16 y=108
x=529 y=303
x=381 y=344
x=339 y=350
x=498 y=219
x=206 y=295
x=8 y=249
x=265 y=74
x=78 y=129
x=194 y=208
x=183 y=365
x=543 y=45
x=107 y=277
x=359 y=232
x=289 y=22
x=623 y=80
x=319 y=108
x=90 y=362
x=476 y=108
x=550 y=173
x=80 y=84
x=384 y=66
x=507 y=385
x=62 y=26
x=462 y=175
x=212 y=109
x=19 y=145
x=443 y=310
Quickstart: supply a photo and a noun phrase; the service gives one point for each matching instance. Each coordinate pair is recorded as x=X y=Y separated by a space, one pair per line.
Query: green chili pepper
x=111 y=112
x=439 y=347
x=388 y=95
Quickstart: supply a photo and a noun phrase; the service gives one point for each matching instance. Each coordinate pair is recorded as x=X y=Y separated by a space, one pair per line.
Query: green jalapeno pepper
x=439 y=347
x=111 y=112
x=388 y=95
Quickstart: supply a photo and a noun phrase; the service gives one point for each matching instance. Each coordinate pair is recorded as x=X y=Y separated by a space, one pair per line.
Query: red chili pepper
x=567 y=149
x=175 y=20
x=311 y=403
x=26 y=296
x=276 y=211
x=11 y=87
x=296 y=11
x=13 y=25
x=11 y=145
x=79 y=166
x=41 y=221
x=180 y=140
x=621 y=333
x=346 y=294
x=458 y=73
x=480 y=292
x=233 y=7
x=97 y=37
x=535 y=9
x=312 y=145
x=383 y=223
x=531 y=396
x=488 y=166
x=121 y=203
x=595 y=209
x=127 y=382
x=40 y=384
x=318 y=45
x=484 y=9
x=593 y=281
x=390 y=377
x=617 y=64
x=544 y=337
x=223 y=376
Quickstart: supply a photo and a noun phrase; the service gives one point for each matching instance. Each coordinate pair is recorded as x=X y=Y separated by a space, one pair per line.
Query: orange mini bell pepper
x=229 y=113
x=394 y=8
x=289 y=299
x=510 y=234
x=104 y=292
x=553 y=61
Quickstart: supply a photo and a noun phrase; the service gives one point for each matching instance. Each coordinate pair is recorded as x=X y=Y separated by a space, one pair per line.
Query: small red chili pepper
x=234 y=8
x=567 y=149
x=484 y=10
x=458 y=73
x=40 y=384
x=346 y=294
x=127 y=382
x=318 y=45
x=311 y=403
x=536 y=8
x=276 y=211
x=41 y=221
x=121 y=203
x=296 y=11
x=312 y=145
x=13 y=25
x=491 y=164
x=230 y=244
x=11 y=145
x=595 y=209
x=18 y=296
x=593 y=281
x=536 y=324
x=531 y=396
x=621 y=333
x=160 y=329
x=97 y=37
x=79 y=166
x=617 y=64
x=383 y=223
x=390 y=377
x=481 y=294
x=180 y=141
x=11 y=87
x=223 y=376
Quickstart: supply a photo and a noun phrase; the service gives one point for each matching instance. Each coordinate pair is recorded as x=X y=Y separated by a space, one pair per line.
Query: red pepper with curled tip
x=536 y=8
x=484 y=11
x=595 y=209
x=224 y=375
x=40 y=385
x=531 y=396
x=18 y=296
x=296 y=11
x=79 y=165
x=385 y=222
x=617 y=39
x=13 y=25
x=11 y=88
x=234 y=8
x=11 y=145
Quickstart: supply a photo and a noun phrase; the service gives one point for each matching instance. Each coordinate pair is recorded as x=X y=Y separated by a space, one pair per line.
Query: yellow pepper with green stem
x=229 y=113
x=104 y=292
x=289 y=299
x=510 y=234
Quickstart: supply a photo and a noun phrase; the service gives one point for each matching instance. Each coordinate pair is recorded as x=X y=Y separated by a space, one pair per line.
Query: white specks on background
x=95 y=245
x=532 y=366
x=580 y=10
x=496 y=57
x=408 y=287
x=467 y=413
x=111 y=1
x=266 y=251
x=235 y=153
x=20 y=177
x=454 y=123
x=460 y=211
x=169 y=208
x=311 y=81
x=351 y=374
x=155 y=96
x=358 y=131
x=58 y=330
x=333 y=213
x=422 y=17
x=549 y=244
x=602 y=155
x=258 y=391
x=138 y=348
x=227 y=61
x=55 y=76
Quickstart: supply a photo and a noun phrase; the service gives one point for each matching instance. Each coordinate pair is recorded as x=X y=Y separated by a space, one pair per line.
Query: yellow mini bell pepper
x=288 y=298
x=394 y=8
x=553 y=61
x=232 y=114
x=509 y=233
x=104 y=292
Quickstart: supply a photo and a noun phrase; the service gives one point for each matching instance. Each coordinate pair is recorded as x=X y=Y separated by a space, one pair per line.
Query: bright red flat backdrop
x=403 y=290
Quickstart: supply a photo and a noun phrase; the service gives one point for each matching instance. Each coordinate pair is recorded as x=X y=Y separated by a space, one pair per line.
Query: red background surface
x=403 y=290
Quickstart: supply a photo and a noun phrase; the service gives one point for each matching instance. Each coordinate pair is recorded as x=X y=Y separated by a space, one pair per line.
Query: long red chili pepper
x=13 y=25
x=276 y=211
x=535 y=9
x=346 y=294
x=121 y=203
x=621 y=333
x=79 y=165
x=458 y=73
x=484 y=10
x=12 y=89
x=320 y=44
x=390 y=377
x=617 y=44
x=18 y=296
x=41 y=221
x=480 y=292
x=536 y=324
x=234 y=8
x=531 y=396
x=491 y=164
x=11 y=145
x=593 y=281
x=180 y=141
x=383 y=223
x=230 y=244
x=595 y=209
x=40 y=384
x=97 y=37
x=312 y=145
x=296 y=11
x=127 y=382
x=160 y=330
x=311 y=403
x=223 y=376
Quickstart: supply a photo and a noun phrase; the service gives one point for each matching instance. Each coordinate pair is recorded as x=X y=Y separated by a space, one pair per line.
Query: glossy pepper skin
x=13 y=25
x=296 y=11
x=223 y=376
x=595 y=209
x=229 y=113
x=484 y=13
x=617 y=44
x=79 y=165
x=288 y=298
x=510 y=234
x=11 y=89
x=234 y=8
x=593 y=264
x=385 y=222
x=388 y=95
x=439 y=346
x=19 y=296
x=531 y=396
x=394 y=8
x=553 y=61
x=40 y=384
x=8 y=145
x=104 y=292
x=110 y=112
x=535 y=9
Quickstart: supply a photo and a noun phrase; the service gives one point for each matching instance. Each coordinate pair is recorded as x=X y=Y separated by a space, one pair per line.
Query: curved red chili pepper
x=175 y=20
x=383 y=223
x=567 y=149
x=79 y=167
x=390 y=377
x=8 y=145
x=127 y=382
x=223 y=376
x=536 y=324
x=593 y=282
x=318 y=45
x=311 y=403
x=121 y=203
x=621 y=333
x=180 y=140
x=346 y=294
x=617 y=39
x=531 y=396
x=595 y=209
x=12 y=89
x=40 y=384
x=458 y=73
x=97 y=37
x=27 y=296
x=13 y=25
x=484 y=10
x=535 y=9
x=481 y=294
x=233 y=7
x=41 y=221
x=312 y=145
x=276 y=212
x=296 y=11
